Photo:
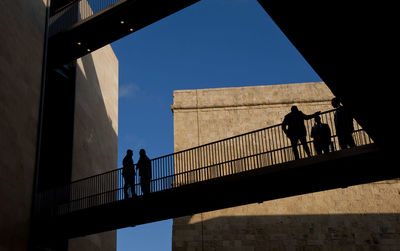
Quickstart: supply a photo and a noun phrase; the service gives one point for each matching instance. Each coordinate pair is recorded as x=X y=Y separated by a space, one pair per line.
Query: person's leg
x=305 y=146
x=293 y=141
x=325 y=148
x=350 y=140
x=342 y=141
x=133 y=187
x=126 y=186
x=142 y=185
x=317 y=147
x=145 y=187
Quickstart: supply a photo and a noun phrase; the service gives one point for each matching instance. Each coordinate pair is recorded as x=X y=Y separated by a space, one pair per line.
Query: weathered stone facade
x=96 y=130
x=363 y=217
x=22 y=25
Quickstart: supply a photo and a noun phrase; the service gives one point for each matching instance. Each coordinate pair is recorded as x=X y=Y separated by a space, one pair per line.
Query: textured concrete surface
x=95 y=141
x=202 y=116
x=21 y=51
x=364 y=217
x=96 y=130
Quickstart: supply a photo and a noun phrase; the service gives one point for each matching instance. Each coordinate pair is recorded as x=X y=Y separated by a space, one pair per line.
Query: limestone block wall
x=22 y=26
x=95 y=129
x=202 y=116
x=364 y=217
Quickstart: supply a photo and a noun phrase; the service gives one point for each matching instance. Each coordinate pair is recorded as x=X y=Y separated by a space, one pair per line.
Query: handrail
x=63 y=7
x=248 y=151
x=77 y=11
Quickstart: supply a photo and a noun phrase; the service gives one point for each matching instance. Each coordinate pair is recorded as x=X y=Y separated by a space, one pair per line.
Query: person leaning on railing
x=294 y=128
x=344 y=125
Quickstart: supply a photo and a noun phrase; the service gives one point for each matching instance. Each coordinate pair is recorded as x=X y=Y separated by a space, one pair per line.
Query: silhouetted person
x=144 y=167
x=128 y=171
x=321 y=133
x=344 y=125
x=295 y=130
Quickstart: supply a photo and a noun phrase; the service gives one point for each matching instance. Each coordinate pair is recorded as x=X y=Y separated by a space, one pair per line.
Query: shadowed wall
x=22 y=26
x=96 y=130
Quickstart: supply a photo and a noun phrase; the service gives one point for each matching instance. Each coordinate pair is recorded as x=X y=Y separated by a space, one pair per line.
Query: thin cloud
x=128 y=90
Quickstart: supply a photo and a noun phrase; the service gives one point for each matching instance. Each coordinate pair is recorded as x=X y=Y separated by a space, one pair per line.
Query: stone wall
x=364 y=217
x=96 y=129
x=202 y=116
x=22 y=25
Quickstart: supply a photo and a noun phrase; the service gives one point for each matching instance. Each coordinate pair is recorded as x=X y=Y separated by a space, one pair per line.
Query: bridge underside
x=105 y=27
x=334 y=170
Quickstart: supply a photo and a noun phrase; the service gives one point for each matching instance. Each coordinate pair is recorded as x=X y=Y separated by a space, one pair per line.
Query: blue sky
x=213 y=43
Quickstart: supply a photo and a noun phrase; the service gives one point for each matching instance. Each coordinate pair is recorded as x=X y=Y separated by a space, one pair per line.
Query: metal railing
x=76 y=11
x=261 y=148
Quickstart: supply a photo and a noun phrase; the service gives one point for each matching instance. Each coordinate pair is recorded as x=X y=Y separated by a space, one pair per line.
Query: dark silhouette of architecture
x=144 y=167
x=293 y=126
x=351 y=67
x=128 y=171
x=344 y=125
x=321 y=133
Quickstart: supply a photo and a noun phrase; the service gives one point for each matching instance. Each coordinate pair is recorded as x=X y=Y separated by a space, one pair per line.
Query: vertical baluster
x=258 y=148
x=241 y=153
x=238 y=154
x=198 y=162
x=280 y=144
x=215 y=169
x=253 y=150
x=231 y=156
x=226 y=163
x=205 y=165
x=185 y=167
x=195 y=172
x=218 y=154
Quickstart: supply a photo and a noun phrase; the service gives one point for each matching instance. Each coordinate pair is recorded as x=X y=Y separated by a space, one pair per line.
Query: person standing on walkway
x=294 y=128
x=128 y=172
x=321 y=133
x=144 y=167
x=344 y=125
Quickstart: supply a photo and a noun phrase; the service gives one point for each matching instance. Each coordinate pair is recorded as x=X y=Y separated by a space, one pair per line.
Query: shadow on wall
x=21 y=53
x=95 y=139
x=289 y=232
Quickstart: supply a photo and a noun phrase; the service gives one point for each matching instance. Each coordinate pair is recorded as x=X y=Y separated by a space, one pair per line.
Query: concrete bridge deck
x=340 y=169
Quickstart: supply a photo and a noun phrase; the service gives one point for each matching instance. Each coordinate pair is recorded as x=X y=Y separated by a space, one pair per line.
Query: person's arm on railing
x=308 y=117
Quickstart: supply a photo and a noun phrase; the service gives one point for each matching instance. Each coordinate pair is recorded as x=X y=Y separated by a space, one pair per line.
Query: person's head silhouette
x=142 y=152
x=294 y=109
x=129 y=152
x=335 y=102
x=317 y=120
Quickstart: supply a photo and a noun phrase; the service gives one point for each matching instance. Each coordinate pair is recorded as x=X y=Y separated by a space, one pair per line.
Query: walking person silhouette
x=344 y=125
x=321 y=133
x=144 y=167
x=128 y=172
x=294 y=128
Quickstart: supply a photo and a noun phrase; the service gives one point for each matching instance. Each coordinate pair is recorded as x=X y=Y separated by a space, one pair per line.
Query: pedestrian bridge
x=248 y=168
x=79 y=27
